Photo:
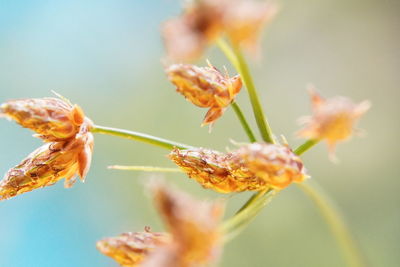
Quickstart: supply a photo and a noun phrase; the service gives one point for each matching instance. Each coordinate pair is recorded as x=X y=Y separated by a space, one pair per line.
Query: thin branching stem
x=237 y=59
x=305 y=146
x=244 y=122
x=336 y=223
x=141 y=137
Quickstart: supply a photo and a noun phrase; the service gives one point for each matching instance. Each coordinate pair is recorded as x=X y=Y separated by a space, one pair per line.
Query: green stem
x=236 y=58
x=141 y=137
x=336 y=224
x=305 y=146
x=244 y=122
x=237 y=223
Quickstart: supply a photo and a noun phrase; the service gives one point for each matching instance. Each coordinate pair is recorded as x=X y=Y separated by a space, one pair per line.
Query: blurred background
x=105 y=56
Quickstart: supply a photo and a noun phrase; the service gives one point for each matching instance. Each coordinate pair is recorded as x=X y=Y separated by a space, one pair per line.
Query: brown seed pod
x=48 y=164
x=130 y=249
x=274 y=164
x=252 y=167
x=333 y=119
x=53 y=119
x=205 y=87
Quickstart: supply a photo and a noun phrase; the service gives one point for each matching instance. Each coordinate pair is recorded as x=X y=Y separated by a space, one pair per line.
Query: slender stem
x=144 y=168
x=237 y=59
x=240 y=220
x=305 y=146
x=141 y=137
x=244 y=122
x=336 y=223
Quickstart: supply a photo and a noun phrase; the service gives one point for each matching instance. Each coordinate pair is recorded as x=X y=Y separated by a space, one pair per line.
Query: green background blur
x=105 y=56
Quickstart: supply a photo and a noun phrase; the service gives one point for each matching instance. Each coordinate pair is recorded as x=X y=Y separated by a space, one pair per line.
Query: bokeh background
x=105 y=56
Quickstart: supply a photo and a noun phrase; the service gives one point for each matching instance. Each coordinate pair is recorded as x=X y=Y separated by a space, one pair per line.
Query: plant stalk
x=244 y=122
x=141 y=137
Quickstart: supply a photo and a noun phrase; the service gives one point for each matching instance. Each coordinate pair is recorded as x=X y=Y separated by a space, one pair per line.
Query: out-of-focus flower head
x=244 y=21
x=53 y=119
x=252 y=167
x=274 y=164
x=203 y=21
x=48 y=164
x=333 y=119
x=130 y=249
x=205 y=87
x=194 y=236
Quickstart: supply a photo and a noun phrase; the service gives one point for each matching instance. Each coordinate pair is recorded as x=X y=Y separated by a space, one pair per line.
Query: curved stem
x=336 y=224
x=244 y=122
x=236 y=58
x=141 y=137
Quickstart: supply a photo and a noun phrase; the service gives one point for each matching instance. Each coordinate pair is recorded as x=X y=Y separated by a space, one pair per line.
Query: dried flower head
x=275 y=164
x=333 y=119
x=187 y=36
x=196 y=235
x=244 y=21
x=193 y=239
x=205 y=87
x=252 y=167
x=53 y=119
x=203 y=21
x=49 y=164
x=130 y=249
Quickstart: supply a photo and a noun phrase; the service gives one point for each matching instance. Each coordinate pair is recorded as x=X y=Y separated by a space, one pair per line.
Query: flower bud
x=276 y=165
x=52 y=119
x=130 y=249
x=333 y=119
x=48 y=164
x=205 y=87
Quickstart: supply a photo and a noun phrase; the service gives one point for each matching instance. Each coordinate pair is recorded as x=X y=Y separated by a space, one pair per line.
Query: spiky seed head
x=333 y=119
x=275 y=164
x=130 y=249
x=48 y=164
x=194 y=225
x=205 y=87
x=53 y=119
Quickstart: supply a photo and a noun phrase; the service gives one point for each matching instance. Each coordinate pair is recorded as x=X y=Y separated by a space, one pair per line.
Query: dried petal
x=275 y=164
x=196 y=235
x=252 y=167
x=52 y=119
x=205 y=87
x=130 y=249
x=49 y=164
x=333 y=119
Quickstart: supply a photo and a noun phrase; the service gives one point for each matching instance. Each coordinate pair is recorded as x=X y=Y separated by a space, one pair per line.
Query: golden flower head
x=53 y=119
x=196 y=235
x=193 y=239
x=333 y=119
x=252 y=167
x=130 y=249
x=275 y=164
x=205 y=87
x=203 y=21
x=244 y=21
x=48 y=164
x=200 y=24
